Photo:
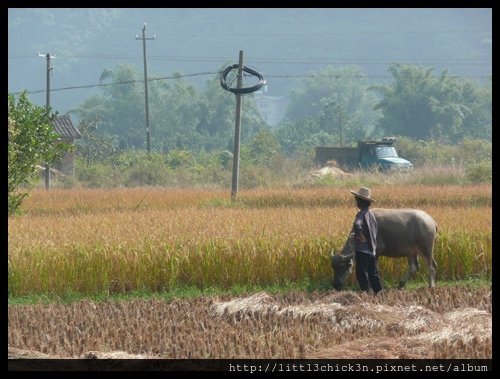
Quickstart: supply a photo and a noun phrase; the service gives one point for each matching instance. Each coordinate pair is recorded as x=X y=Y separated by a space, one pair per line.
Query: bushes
x=97 y=175
x=435 y=164
x=435 y=153
x=479 y=172
x=138 y=168
x=31 y=141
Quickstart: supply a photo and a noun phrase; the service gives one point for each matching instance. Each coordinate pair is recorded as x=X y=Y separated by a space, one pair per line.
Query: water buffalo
x=401 y=233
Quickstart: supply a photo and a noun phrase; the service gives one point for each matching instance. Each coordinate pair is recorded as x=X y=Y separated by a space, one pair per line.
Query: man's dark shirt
x=365 y=231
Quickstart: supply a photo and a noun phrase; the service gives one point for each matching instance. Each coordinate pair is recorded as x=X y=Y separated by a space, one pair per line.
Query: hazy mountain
x=278 y=42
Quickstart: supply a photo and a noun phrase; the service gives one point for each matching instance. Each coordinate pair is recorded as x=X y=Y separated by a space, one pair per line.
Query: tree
x=345 y=85
x=174 y=115
x=181 y=117
x=477 y=122
x=263 y=147
x=418 y=105
x=32 y=141
x=94 y=146
x=124 y=116
x=303 y=134
x=338 y=122
x=216 y=114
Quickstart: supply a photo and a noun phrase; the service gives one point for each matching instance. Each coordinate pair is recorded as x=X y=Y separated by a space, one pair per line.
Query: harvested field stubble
x=423 y=323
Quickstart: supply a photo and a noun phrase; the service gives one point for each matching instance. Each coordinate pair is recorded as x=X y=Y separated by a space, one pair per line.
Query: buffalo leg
x=412 y=269
x=432 y=265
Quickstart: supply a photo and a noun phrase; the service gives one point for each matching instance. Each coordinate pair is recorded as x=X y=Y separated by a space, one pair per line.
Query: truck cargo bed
x=344 y=156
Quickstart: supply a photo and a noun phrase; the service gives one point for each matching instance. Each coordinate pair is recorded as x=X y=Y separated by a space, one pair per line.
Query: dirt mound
x=329 y=169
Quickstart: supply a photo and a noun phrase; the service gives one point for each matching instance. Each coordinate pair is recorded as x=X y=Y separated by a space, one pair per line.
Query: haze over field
x=281 y=43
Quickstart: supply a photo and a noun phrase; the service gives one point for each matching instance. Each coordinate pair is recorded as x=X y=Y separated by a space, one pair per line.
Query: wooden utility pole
x=339 y=114
x=236 y=152
x=148 y=128
x=47 y=106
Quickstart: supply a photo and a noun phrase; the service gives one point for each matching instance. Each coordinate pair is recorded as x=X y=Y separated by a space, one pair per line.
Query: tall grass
x=83 y=241
x=392 y=195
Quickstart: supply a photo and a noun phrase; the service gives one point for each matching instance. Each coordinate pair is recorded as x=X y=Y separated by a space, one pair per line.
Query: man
x=365 y=242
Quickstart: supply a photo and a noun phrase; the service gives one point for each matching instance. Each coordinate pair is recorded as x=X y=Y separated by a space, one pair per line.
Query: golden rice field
x=154 y=239
x=442 y=323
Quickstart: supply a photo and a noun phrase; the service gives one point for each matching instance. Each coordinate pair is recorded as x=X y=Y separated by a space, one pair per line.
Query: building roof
x=65 y=128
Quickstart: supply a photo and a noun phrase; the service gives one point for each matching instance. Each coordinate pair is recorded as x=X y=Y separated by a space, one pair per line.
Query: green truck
x=367 y=155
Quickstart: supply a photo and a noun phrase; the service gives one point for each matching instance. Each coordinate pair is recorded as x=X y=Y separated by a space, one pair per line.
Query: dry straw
x=398 y=324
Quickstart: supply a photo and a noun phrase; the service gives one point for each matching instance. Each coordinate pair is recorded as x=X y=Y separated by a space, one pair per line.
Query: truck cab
x=381 y=154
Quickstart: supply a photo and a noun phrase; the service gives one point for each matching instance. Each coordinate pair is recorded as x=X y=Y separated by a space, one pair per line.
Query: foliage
x=294 y=137
x=124 y=106
x=179 y=158
x=330 y=104
x=325 y=91
x=432 y=152
x=97 y=175
x=181 y=117
x=93 y=146
x=479 y=172
x=418 y=105
x=263 y=147
x=224 y=157
x=174 y=116
x=263 y=164
x=336 y=121
x=32 y=141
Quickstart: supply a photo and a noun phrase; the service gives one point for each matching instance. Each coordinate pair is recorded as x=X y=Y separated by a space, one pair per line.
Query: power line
x=322 y=33
x=277 y=76
x=305 y=34
x=116 y=83
x=262 y=60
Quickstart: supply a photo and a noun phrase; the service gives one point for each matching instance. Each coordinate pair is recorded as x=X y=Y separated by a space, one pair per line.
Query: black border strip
x=344 y=366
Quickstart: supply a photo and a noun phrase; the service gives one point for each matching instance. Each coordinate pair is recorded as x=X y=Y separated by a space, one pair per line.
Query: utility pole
x=236 y=152
x=339 y=114
x=148 y=129
x=337 y=110
x=47 y=106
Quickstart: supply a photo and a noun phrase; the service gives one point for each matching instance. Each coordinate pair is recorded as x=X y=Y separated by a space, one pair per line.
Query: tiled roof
x=65 y=128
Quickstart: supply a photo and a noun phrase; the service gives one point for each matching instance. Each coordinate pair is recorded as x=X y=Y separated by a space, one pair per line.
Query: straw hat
x=363 y=193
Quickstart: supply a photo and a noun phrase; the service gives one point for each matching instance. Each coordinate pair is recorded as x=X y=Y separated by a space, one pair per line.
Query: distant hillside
x=284 y=42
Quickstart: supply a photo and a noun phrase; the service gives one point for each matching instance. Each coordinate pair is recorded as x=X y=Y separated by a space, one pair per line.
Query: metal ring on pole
x=245 y=90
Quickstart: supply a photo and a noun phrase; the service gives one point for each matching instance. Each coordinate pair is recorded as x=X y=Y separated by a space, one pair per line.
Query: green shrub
x=435 y=164
x=98 y=175
x=179 y=158
x=435 y=153
x=474 y=150
x=480 y=172
x=148 y=172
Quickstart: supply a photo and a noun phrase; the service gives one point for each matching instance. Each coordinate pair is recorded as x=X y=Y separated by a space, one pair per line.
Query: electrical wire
x=173 y=77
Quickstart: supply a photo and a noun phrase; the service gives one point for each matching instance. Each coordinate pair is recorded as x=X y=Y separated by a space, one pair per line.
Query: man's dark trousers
x=367 y=272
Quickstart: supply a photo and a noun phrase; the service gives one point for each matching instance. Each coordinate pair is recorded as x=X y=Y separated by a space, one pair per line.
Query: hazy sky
x=281 y=43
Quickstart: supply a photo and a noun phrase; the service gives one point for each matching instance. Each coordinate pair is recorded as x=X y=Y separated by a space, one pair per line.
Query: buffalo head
x=342 y=265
